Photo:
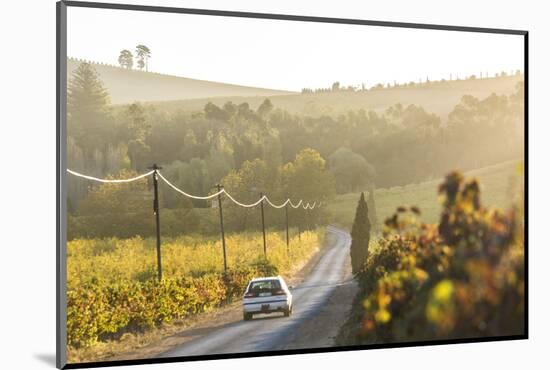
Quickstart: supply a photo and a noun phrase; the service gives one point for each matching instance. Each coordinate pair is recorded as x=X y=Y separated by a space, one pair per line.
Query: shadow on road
x=270 y=317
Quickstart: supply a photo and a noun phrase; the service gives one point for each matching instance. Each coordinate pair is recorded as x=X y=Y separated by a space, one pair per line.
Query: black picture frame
x=61 y=202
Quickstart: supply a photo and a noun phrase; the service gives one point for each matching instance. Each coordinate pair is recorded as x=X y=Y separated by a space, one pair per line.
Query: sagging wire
x=222 y=191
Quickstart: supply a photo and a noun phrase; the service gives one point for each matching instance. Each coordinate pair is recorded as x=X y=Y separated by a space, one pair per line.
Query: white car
x=266 y=295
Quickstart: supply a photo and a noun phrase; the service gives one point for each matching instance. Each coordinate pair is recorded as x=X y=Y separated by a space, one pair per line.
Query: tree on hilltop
x=143 y=54
x=126 y=59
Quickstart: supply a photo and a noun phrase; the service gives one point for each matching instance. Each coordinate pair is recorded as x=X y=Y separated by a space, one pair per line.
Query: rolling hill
x=497 y=190
x=172 y=93
x=436 y=97
x=128 y=86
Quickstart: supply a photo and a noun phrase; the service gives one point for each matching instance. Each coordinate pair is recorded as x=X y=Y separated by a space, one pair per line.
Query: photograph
x=246 y=185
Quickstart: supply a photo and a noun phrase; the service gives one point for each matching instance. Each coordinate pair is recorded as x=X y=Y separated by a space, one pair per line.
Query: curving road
x=274 y=332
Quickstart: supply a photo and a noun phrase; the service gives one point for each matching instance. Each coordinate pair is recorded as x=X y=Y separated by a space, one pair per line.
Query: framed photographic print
x=238 y=184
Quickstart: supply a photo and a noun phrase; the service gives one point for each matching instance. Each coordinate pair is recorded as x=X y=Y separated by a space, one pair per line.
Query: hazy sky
x=287 y=55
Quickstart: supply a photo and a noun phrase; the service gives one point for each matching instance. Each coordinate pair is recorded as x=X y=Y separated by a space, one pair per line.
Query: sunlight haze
x=288 y=55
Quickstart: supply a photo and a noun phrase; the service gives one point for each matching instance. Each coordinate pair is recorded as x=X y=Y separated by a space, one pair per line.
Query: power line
x=288 y=201
x=109 y=180
x=243 y=204
x=308 y=206
x=277 y=206
x=295 y=206
x=219 y=192
x=187 y=194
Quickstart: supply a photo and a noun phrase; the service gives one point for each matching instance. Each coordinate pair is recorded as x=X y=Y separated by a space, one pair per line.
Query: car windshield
x=262 y=286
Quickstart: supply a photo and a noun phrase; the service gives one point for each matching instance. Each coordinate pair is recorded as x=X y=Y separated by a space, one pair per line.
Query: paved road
x=273 y=332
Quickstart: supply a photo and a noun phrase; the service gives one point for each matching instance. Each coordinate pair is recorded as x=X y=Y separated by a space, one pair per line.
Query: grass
x=497 y=185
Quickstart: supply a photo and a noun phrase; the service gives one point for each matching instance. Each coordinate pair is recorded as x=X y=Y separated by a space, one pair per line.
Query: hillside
x=496 y=190
x=436 y=97
x=127 y=86
x=173 y=93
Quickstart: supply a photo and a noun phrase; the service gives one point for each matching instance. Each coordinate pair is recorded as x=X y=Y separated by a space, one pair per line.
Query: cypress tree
x=360 y=236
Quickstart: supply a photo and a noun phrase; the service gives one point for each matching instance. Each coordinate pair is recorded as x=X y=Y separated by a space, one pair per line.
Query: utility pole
x=220 y=187
x=156 y=210
x=263 y=224
x=299 y=232
x=287 y=239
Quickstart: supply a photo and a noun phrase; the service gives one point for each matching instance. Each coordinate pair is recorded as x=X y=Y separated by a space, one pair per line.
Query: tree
x=123 y=209
x=138 y=125
x=212 y=111
x=360 y=236
x=112 y=198
x=245 y=185
x=126 y=59
x=136 y=129
x=139 y=153
x=116 y=158
x=192 y=176
x=143 y=54
x=220 y=158
x=76 y=190
x=415 y=116
x=88 y=109
x=350 y=170
x=306 y=178
x=265 y=108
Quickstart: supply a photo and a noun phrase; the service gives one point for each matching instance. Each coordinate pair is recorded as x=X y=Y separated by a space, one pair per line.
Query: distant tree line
x=337 y=87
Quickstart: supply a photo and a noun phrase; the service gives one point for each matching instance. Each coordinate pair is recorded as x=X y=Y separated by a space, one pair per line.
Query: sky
x=287 y=55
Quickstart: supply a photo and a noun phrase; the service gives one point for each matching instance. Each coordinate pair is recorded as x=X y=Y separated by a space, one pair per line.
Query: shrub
x=461 y=278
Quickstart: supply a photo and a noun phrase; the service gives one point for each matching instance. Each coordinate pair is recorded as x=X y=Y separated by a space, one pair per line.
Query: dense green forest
x=283 y=154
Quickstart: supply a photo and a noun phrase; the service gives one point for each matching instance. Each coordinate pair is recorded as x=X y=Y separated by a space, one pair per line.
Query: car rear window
x=263 y=286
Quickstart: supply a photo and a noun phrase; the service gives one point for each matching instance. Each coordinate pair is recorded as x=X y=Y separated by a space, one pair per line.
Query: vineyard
x=462 y=277
x=112 y=287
